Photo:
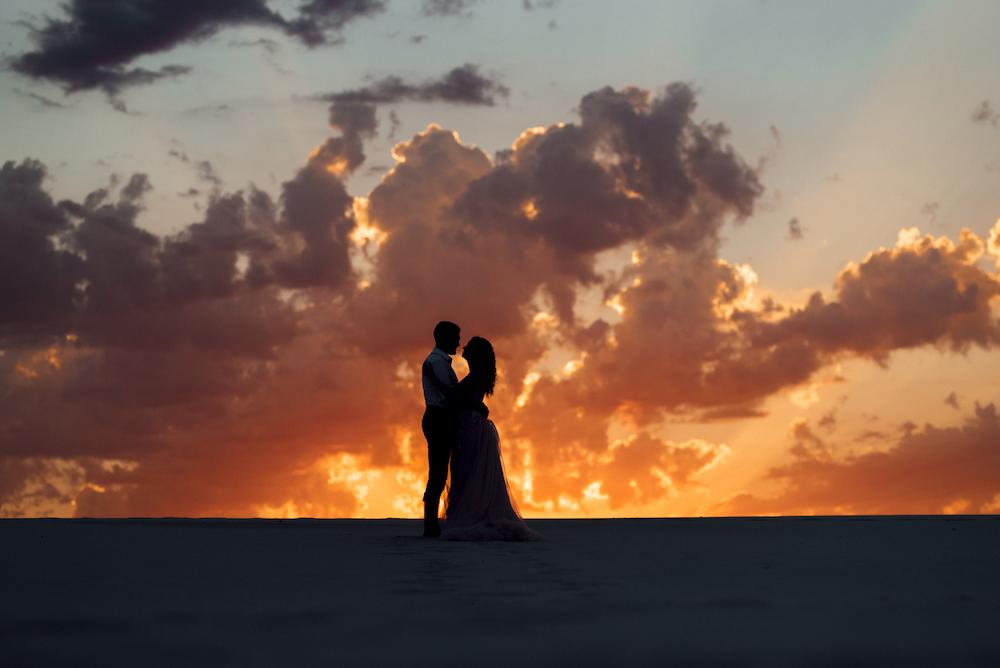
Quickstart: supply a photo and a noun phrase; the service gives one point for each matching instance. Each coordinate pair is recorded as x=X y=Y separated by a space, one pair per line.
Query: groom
x=440 y=423
x=440 y=420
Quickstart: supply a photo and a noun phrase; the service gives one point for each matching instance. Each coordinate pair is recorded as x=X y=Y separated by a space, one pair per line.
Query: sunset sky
x=735 y=258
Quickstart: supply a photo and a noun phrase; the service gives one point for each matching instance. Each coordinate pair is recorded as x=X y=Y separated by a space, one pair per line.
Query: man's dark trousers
x=440 y=430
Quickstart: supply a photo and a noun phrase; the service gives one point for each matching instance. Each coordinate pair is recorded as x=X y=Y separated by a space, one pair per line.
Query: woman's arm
x=466 y=396
x=460 y=396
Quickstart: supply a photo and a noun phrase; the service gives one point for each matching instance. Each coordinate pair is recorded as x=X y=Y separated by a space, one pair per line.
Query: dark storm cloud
x=94 y=44
x=461 y=85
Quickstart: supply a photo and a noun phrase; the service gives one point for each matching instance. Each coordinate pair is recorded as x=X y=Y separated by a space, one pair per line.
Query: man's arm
x=452 y=393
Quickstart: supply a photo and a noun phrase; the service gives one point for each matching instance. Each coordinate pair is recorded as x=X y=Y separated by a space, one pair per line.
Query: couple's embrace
x=456 y=425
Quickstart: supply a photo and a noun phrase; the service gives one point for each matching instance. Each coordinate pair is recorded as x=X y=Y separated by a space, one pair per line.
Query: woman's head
x=478 y=352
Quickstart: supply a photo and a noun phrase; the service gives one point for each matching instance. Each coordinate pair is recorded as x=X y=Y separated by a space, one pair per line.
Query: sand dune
x=706 y=592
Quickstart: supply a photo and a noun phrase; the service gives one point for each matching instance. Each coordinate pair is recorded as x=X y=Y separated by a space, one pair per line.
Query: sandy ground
x=705 y=592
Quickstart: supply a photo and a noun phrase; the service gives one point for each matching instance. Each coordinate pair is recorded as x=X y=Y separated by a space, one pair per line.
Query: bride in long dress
x=479 y=504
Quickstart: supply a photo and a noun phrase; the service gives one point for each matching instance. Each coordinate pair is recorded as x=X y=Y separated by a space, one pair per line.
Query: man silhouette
x=439 y=423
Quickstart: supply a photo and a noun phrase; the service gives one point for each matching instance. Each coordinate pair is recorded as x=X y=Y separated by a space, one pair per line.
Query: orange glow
x=544 y=321
x=554 y=466
x=364 y=231
x=527 y=136
x=726 y=301
x=529 y=210
x=529 y=383
x=25 y=372
x=337 y=167
x=616 y=304
x=993 y=243
x=652 y=378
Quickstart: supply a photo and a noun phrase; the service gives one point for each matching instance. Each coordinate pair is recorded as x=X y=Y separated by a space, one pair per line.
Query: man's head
x=447 y=336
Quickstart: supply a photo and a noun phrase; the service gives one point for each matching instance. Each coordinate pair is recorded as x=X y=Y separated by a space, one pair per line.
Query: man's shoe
x=432 y=529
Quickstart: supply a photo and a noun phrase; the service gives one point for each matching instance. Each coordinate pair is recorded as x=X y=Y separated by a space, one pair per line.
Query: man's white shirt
x=438 y=363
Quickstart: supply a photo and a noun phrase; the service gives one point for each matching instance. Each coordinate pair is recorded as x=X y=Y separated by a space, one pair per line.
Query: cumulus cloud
x=94 y=44
x=927 y=471
x=120 y=343
x=275 y=343
x=38 y=276
x=73 y=261
x=924 y=291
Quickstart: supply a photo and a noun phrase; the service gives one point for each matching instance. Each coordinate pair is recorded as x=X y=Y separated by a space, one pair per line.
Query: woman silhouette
x=479 y=504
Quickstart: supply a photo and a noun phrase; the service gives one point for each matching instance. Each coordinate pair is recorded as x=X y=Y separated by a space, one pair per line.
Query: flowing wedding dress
x=479 y=505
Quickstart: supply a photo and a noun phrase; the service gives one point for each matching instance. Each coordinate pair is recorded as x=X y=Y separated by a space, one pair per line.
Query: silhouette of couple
x=457 y=427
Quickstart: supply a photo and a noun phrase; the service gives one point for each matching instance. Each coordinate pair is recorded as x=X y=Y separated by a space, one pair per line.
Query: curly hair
x=482 y=363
